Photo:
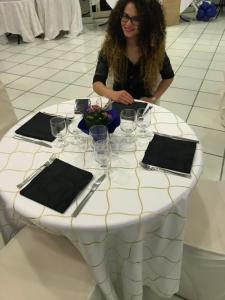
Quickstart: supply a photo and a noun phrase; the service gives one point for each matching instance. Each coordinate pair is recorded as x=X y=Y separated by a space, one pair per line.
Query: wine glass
x=58 y=129
x=128 y=122
x=143 y=121
x=73 y=120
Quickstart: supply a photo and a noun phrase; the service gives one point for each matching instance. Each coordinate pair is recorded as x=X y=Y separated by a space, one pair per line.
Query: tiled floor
x=42 y=73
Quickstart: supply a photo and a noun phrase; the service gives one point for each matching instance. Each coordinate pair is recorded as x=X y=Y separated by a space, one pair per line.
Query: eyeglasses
x=135 y=20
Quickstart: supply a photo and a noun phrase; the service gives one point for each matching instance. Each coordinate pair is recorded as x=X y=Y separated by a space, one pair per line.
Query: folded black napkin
x=37 y=127
x=135 y=105
x=57 y=185
x=169 y=153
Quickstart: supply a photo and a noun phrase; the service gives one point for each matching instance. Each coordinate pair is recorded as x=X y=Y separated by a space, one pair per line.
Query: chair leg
x=18 y=39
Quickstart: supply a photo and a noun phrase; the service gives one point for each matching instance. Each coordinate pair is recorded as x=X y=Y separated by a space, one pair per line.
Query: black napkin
x=169 y=153
x=37 y=127
x=135 y=105
x=57 y=185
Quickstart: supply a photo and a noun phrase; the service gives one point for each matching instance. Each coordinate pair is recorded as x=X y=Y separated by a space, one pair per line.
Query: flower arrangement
x=96 y=116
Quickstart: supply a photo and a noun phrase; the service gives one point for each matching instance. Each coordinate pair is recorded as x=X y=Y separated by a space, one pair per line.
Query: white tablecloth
x=131 y=230
x=57 y=15
x=19 y=17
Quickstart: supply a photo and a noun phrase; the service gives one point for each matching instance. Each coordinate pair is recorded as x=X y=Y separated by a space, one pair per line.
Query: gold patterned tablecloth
x=131 y=230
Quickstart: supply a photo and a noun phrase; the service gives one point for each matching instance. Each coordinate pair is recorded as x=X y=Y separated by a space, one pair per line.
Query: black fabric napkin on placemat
x=169 y=153
x=57 y=185
x=37 y=127
x=135 y=105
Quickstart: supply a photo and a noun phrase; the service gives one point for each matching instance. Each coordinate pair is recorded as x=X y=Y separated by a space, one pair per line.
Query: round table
x=131 y=230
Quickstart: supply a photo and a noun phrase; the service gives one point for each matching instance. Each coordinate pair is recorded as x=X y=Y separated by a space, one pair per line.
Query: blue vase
x=114 y=122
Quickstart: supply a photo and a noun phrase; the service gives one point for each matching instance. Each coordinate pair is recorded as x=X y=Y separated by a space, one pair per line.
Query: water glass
x=128 y=122
x=143 y=121
x=98 y=132
x=72 y=125
x=58 y=129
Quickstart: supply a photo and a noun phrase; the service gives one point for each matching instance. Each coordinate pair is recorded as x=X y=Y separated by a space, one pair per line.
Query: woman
x=133 y=53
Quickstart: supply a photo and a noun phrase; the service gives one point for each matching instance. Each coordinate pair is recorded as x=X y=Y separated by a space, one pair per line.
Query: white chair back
x=7 y=114
x=203 y=267
x=37 y=265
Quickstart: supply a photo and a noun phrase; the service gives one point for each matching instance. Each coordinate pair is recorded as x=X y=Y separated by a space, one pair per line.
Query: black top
x=134 y=83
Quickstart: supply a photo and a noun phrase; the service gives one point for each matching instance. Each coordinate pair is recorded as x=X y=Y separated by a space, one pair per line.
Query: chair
x=7 y=114
x=203 y=268
x=37 y=265
x=19 y=17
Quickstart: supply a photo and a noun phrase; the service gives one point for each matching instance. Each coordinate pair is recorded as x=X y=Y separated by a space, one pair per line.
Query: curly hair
x=151 y=41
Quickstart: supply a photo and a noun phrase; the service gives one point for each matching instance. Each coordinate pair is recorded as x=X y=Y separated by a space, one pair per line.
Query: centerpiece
x=96 y=115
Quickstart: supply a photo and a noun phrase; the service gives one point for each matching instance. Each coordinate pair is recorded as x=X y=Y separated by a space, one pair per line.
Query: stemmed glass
x=128 y=122
x=143 y=121
x=58 y=129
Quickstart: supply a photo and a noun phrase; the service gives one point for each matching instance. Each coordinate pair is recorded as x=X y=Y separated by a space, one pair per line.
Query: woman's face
x=130 y=21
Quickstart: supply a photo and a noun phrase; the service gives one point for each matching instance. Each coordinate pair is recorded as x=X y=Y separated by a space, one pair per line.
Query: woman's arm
x=118 y=96
x=99 y=84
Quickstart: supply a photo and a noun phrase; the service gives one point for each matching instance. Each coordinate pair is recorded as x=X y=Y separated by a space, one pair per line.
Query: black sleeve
x=101 y=71
x=167 y=70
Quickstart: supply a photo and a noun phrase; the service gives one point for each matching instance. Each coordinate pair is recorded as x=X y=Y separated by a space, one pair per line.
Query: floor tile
x=213 y=141
x=85 y=80
x=217 y=65
x=191 y=72
x=192 y=62
x=38 y=61
x=21 y=113
x=90 y=58
x=52 y=53
x=33 y=51
x=215 y=75
x=72 y=56
x=29 y=101
x=181 y=110
x=177 y=52
x=207 y=100
x=49 y=88
x=5 y=54
x=186 y=83
x=58 y=64
x=211 y=167
x=219 y=57
x=65 y=47
x=5 y=65
x=209 y=86
x=19 y=58
x=177 y=60
x=42 y=73
x=179 y=96
x=21 y=69
x=200 y=55
x=84 y=49
x=209 y=48
x=65 y=76
x=80 y=67
x=51 y=101
x=7 y=78
x=205 y=118
x=13 y=94
x=25 y=83
x=74 y=91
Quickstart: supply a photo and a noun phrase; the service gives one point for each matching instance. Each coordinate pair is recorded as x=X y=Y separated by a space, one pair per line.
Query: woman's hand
x=122 y=97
